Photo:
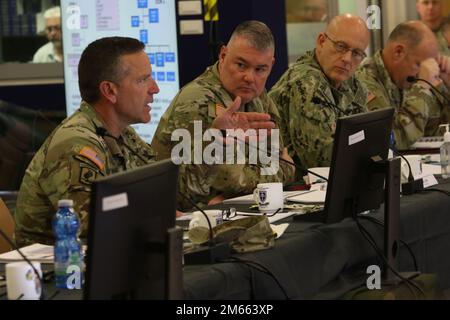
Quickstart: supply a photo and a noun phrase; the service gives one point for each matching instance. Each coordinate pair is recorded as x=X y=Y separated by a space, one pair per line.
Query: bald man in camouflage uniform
x=240 y=75
x=319 y=88
x=410 y=52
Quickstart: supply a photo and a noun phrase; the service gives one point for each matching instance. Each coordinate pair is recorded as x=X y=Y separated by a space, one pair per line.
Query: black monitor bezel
x=365 y=182
x=153 y=247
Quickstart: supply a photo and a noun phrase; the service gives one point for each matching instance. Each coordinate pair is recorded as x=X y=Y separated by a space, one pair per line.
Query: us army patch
x=87 y=175
x=92 y=155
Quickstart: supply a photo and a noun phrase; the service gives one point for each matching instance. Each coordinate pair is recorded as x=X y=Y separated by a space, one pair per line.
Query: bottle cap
x=65 y=203
x=447 y=132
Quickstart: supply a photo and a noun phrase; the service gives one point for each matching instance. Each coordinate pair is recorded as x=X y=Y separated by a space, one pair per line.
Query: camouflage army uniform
x=444 y=49
x=65 y=166
x=417 y=111
x=200 y=100
x=309 y=107
x=442 y=42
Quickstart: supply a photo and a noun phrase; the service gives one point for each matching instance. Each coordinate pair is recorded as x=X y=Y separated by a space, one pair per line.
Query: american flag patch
x=93 y=156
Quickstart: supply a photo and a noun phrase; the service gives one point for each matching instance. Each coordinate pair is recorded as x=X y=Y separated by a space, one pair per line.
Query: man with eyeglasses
x=319 y=88
x=52 y=51
x=410 y=52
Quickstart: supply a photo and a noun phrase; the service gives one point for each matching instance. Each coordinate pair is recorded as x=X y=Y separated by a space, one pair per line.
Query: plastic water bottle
x=445 y=153
x=68 y=249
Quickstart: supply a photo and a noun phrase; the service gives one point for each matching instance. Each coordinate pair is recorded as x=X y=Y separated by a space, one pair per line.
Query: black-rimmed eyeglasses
x=341 y=47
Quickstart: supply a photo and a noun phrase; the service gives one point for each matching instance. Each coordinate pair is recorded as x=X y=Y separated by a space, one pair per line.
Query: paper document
x=35 y=252
x=321 y=171
x=431 y=169
x=279 y=229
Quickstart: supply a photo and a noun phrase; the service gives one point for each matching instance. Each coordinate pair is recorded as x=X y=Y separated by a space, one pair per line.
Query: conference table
x=319 y=261
x=323 y=261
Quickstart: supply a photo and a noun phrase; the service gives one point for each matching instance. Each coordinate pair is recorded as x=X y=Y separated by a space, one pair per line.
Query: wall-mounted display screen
x=151 y=21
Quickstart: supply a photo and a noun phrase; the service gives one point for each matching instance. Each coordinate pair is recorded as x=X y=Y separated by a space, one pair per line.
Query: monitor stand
x=314 y=216
x=391 y=169
x=174 y=263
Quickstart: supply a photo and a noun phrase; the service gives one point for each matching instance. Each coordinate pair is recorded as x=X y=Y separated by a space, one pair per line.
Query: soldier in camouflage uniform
x=116 y=87
x=239 y=76
x=409 y=52
x=431 y=13
x=319 y=88
x=444 y=64
x=95 y=141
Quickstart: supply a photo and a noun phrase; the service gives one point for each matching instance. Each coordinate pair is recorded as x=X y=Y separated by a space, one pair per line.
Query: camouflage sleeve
x=69 y=175
x=287 y=172
x=412 y=116
x=200 y=181
x=282 y=123
x=437 y=112
x=445 y=111
x=377 y=96
x=310 y=127
x=232 y=180
x=194 y=179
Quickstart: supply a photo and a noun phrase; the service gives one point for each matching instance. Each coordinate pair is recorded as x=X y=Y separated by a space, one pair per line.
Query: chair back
x=7 y=225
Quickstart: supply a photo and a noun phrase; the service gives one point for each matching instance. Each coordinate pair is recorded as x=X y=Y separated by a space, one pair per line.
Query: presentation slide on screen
x=151 y=21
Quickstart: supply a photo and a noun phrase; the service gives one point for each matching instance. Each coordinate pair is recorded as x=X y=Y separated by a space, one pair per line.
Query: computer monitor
x=134 y=251
x=354 y=185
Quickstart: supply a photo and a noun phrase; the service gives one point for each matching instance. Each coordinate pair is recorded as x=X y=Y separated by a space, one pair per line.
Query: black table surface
x=319 y=261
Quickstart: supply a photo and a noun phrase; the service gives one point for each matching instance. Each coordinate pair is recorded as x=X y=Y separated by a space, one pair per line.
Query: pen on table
x=299 y=194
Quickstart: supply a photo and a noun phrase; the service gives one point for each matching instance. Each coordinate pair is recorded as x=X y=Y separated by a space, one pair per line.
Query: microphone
x=280 y=158
x=434 y=90
x=13 y=245
x=102 y=132
x=329 y=104
x=212 y=252
x=412 y=186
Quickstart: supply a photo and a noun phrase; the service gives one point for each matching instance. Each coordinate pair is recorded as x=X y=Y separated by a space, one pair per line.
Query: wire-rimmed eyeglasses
x=357 y=54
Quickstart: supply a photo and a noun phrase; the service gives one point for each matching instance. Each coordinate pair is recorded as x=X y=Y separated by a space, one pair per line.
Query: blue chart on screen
x=152 y=22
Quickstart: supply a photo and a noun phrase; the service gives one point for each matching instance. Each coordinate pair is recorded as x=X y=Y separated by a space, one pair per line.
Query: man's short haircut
x=54 y=12
x=100 y=61
x=407 y=33
x=255 y=32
